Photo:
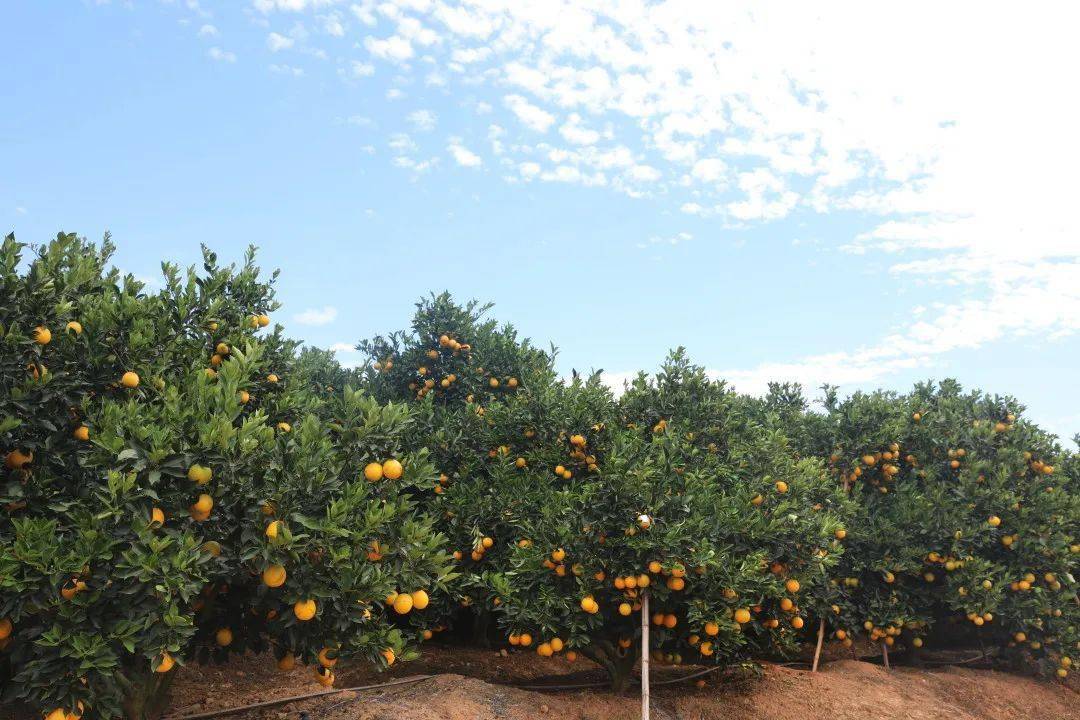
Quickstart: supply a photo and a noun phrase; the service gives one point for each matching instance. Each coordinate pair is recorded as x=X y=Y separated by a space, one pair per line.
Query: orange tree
x=173 y=490
x=487 y=405
x=967 y=525
x=689 y=499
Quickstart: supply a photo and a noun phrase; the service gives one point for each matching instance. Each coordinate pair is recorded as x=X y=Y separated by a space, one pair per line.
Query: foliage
x=175 y=489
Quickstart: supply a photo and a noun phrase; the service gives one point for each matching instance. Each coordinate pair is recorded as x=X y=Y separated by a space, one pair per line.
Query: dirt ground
x=473 y=684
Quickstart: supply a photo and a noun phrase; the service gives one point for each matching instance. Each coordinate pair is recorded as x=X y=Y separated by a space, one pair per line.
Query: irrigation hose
x=296 y=698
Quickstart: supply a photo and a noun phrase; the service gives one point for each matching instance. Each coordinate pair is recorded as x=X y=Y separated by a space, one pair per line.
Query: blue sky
x=790 y=193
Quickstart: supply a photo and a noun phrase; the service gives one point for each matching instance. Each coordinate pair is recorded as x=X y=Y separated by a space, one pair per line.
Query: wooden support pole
x=820 y=641
x=645 y=655
x=885 y=655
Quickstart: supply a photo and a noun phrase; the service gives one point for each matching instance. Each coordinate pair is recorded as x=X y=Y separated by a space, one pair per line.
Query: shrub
x=708 y=511
x=967 y=524
x=175 y=491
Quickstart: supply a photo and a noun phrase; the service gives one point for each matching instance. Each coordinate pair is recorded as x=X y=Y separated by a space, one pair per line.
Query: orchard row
x=182 y=482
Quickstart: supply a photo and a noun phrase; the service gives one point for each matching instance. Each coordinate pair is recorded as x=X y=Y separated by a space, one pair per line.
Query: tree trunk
x=481 y=625
x=147 y=696
x=618 y=662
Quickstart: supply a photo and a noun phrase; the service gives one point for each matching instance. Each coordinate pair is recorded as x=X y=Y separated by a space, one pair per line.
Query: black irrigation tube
x=584 y=686
x=296 y=698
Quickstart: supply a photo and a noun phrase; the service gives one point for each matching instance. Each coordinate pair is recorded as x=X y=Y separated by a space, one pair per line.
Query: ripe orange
x=324 y=677
x=388 y=655
x=403 y=603
x=82 y=433
x=42 y=335
x=17 y=459
x=742 y=616
x=164 y=663
x=75 y=327
x=274 y=576
x=420 y=599
x=129 y=380
x=373 y=472
x=286 y=662
x=792 y=585
x=199 y=474
x=391 y=469
x=204 y=504
x=305 y=609
x=328 y=657
x=223 y=637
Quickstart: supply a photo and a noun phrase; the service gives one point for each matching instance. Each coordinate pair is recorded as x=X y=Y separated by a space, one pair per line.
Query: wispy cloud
x=316 y=316
x=462 y=155
x=276 y=42
x=216 y=53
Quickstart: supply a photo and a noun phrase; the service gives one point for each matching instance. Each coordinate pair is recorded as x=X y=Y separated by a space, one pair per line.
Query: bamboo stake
x=645 y=655
x=885 y=655
x=820 y=640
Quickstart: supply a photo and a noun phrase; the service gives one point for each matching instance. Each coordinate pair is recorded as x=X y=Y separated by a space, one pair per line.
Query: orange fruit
x=223 y=637
x=42 y=335
x=403 y=603
x=328 y=658
x=164 y=663
x=304 y=609
x=373 y=472
x=82 y=433
x=274 y=576
x=391 y=469
x=129 y=380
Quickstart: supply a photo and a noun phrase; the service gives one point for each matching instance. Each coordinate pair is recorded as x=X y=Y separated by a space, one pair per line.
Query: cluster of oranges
x=479 y=548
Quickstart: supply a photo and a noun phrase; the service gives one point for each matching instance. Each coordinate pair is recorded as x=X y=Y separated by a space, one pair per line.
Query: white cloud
x=266 y=6
x=316 y=316
x=208 y=30
x=423 y=120
x=573 y=131
x=216 y=53
x=529 y=170
x=286 y=70
x=402 y=143
x=333 y=26
x=362 y=69
x=276 y=42
x=343 y=347
x=462 y=155
x=644 y=173
x=530 y=115
x=394 y=48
